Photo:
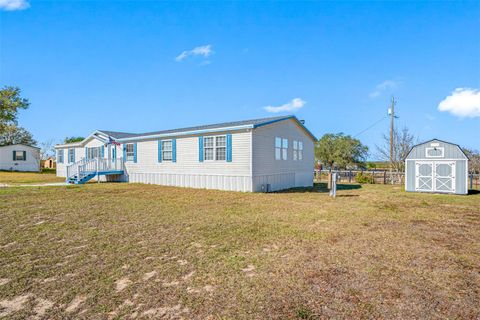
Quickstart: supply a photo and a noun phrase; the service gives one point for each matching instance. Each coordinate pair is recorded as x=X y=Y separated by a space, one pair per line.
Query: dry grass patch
x=128 y=250
x=15 y=178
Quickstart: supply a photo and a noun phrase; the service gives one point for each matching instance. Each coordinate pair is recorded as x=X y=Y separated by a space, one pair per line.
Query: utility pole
x=391 y=113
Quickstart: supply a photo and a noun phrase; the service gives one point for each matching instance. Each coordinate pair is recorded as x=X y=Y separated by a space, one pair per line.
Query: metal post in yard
x=333 y=190
x=471 y=181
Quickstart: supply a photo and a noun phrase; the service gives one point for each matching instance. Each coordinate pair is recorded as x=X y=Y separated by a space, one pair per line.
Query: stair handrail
x=95 y=165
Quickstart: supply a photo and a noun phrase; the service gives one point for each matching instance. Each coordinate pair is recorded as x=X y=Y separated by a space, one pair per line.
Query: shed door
x=444 y=176
x=424 y=176
x=436 y=176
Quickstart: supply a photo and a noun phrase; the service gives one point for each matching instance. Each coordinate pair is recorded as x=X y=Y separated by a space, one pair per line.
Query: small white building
x=255 y=155
x=436 y=166
x=19 y=157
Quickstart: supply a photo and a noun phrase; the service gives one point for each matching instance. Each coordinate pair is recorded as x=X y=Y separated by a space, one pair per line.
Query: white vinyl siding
x=26 y=158
x=187 y=171
x=285 y=173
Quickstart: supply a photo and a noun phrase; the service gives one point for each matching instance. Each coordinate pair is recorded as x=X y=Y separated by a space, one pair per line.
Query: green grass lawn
x=15 y=178
x=144 y=251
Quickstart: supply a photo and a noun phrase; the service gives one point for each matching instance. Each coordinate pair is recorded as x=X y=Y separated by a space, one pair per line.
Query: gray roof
x=252 y=122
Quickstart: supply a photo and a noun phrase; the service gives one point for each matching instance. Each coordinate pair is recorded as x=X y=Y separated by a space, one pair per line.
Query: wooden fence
x=382 y=177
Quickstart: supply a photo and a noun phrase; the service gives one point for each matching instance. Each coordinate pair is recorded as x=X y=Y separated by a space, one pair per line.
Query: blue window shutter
x=200 y=148
x=73 y=155
x=124 y=152
x=86 y=153
x=174 y=150
x=102 y=152
x=114 y=152
x=135 y=152
x=159 y=150
x=14 y=155
x=229 y=147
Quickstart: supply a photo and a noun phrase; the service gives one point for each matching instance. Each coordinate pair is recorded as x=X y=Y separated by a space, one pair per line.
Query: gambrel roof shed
x=436 y=166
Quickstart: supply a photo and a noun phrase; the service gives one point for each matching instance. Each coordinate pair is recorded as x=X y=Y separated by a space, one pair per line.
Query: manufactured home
x=257 y=155
x=19 y=157
x=436 y=166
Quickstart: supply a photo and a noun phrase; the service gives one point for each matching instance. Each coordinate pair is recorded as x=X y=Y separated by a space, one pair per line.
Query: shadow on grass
x=470 y=192
x=322 y=188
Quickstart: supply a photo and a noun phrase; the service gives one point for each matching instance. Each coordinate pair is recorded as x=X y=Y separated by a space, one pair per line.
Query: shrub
x=362 y=177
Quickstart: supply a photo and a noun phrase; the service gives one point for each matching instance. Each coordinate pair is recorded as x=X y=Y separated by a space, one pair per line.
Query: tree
x=12 y=134
x=47 y=149
x=403 y=141
x=340 y=150
x=73 y=139
x=474 y=160
x=10 y=103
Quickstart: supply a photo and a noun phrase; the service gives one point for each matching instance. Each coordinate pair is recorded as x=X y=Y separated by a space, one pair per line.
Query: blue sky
x=139 y=66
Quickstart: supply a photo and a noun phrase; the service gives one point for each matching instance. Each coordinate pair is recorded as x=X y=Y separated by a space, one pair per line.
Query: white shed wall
x=32 y=162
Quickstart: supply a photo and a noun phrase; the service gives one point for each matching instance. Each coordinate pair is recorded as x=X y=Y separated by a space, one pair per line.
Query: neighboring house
x=436 y=166
x=255 y=155
x=49 y=163
x=19 y=157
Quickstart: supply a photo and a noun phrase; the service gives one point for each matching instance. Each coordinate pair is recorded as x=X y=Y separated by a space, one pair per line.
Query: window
x=167 y=150
x=278 y=148
x=215 y=148
x=60 y=156
x=93 y=152
x=208 y=148
x=71 y=155
x=434 y=152
x=129 y=152
x=300 y=150
x=281 y=148
x=284 y=149
x=221 y=148
x=19 y=155
x=295 y=149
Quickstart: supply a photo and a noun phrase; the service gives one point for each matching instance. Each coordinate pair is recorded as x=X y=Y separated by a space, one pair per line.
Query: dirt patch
x=147 y=276
x=121 y=284
x=42 y=307
x=7 y=307
x=4 y=281
x=188 y=276
x=167 y=312
x=76 y=302
x=182 y=262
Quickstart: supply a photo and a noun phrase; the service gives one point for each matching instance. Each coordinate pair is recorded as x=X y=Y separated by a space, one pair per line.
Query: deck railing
x=85 y=167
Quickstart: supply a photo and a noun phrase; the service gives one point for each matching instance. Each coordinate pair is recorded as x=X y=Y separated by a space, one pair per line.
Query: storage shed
x=436 y=166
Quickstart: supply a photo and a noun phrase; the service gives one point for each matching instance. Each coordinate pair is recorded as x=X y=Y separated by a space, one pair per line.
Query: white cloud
x=463 y=102
x=382 y=87
x=12 y=5
x=294 y=105
x=204 y=51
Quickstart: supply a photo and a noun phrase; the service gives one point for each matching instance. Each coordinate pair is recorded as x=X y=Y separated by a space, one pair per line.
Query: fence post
x=471 y=181
x=384 y=177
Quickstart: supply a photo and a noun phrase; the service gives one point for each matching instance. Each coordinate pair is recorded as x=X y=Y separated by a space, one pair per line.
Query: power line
x=371 y=126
